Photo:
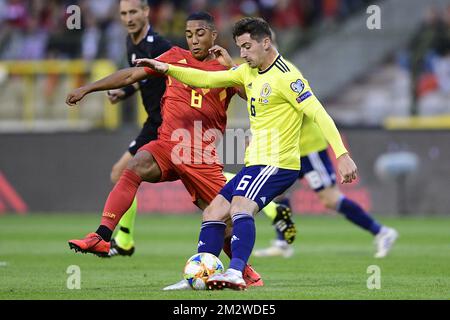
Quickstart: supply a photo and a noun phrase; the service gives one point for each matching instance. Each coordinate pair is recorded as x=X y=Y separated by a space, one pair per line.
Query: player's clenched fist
x=347 y=168
x=74 y=96
x=153 y=64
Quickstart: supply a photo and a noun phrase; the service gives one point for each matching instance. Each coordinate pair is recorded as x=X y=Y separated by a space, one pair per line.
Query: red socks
x=120 y=198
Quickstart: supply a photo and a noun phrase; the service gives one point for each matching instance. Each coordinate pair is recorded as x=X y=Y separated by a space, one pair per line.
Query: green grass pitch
x=330 y=261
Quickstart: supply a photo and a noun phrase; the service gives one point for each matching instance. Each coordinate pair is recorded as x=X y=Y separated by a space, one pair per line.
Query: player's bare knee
x=329 y=204
x=215 y=214
x=330 y=199
x=209 y=214
x=243 y=205
x=218 y=210
x=144 y=166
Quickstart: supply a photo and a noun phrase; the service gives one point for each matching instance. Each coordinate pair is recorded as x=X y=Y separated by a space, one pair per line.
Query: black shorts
x=149 y=132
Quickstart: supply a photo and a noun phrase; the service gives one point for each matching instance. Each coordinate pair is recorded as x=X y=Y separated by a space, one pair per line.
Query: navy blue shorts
x=260 y=184
x=318 y=170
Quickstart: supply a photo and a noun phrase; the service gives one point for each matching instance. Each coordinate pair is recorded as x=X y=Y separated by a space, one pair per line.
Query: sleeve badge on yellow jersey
x=304 y=96
x=298 y=86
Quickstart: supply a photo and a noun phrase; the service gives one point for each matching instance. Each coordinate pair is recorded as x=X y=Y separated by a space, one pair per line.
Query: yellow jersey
x=311 y=138
x=277 y=100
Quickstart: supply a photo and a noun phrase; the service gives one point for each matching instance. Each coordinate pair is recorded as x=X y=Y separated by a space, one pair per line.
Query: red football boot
x=251 y=277
x=92 y=243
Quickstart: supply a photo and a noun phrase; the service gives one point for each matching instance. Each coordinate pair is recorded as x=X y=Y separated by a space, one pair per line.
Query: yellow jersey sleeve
x=311 y=139
x=300 y=95
x=208 y=79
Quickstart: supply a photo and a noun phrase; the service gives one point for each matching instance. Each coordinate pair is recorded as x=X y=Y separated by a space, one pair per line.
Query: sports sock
x=104 y=232
x=211 y=238
x=125 y=235
x=242 y=241
x=280 y=235
x=120 y=199
x=357 y=215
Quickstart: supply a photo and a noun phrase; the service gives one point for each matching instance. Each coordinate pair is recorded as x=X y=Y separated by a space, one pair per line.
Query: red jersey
x=192 y=115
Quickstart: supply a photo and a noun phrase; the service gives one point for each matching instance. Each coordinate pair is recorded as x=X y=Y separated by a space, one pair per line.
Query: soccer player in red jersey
x=193 y=120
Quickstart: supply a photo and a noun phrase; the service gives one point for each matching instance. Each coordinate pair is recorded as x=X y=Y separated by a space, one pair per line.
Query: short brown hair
x=258 y=28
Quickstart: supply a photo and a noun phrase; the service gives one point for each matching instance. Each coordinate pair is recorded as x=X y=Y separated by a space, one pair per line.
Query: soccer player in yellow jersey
x=278 y=99
x=317 y=169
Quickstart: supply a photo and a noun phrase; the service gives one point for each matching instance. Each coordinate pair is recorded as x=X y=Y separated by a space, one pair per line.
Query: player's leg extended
x=280 y=213
x=123 y=242
x=212 y=232
x=385 y=237
x=252 y=189
x=333 y=199
x=251 y=277
x=244 y=232
x=319 y=172
x=142 y=167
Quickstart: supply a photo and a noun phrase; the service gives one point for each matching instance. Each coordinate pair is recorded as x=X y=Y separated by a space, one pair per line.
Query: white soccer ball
x=200 y=267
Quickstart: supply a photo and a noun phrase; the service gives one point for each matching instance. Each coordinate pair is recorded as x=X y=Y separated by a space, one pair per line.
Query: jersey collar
x=270 y=67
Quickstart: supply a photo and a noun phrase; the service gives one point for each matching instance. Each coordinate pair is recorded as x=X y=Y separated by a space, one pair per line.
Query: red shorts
x=202 y=181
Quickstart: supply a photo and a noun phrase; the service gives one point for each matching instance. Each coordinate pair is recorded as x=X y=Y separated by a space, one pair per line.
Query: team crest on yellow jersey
x=266 y=90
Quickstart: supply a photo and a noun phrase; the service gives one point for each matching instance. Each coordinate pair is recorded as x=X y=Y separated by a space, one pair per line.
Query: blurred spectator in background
x=62 y=43
x=169 y=20
x=102 y=29
x=34 y=41
x=36 y=29
x=13 y=17
x=429 y=60
x=441 y=64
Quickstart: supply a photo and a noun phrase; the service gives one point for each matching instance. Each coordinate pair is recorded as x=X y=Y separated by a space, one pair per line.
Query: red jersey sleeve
x=153 y=73
x=168 y=57
x=171 y=56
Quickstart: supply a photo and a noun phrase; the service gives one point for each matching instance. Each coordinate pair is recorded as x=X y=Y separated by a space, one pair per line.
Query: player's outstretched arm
x=298 y=92
x=225 y=59
x=116 y=80
x=196 y=78
x=153 y=64
x=346 y=167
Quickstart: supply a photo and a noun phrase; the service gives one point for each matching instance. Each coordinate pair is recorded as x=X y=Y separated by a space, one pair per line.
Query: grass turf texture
x=330 y=261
